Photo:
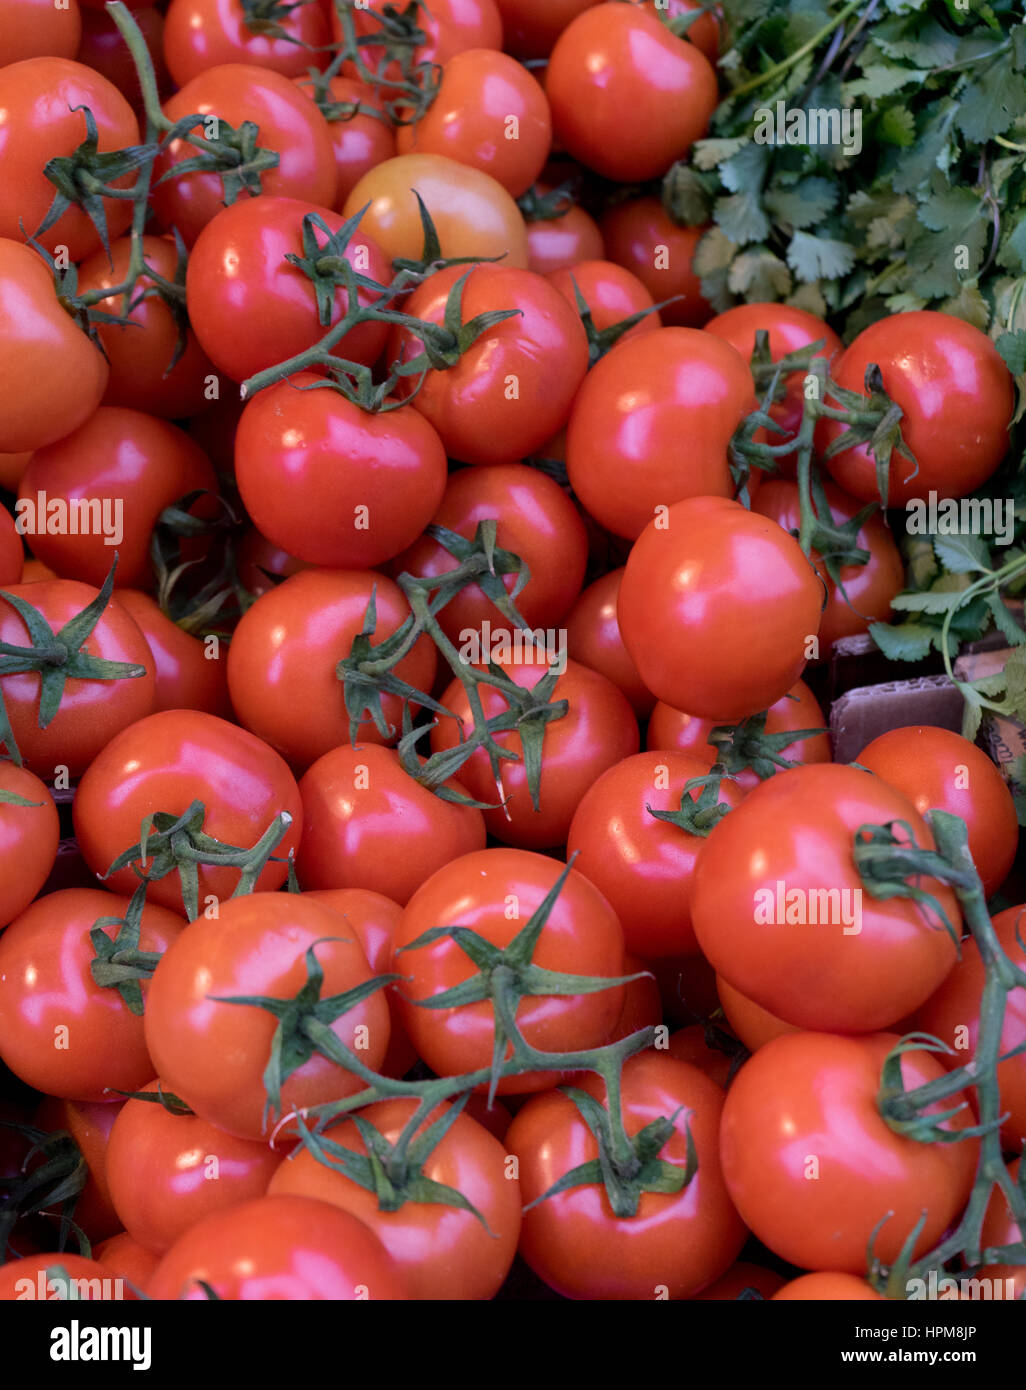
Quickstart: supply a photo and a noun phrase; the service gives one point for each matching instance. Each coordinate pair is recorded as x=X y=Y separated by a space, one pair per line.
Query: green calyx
x=875 y=422
x=748 y=745
x=232 y=153
x=119 y=962
x=54 y=1184
x=698 y=815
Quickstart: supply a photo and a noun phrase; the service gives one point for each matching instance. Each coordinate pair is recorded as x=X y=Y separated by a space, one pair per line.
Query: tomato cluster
x=414 y=602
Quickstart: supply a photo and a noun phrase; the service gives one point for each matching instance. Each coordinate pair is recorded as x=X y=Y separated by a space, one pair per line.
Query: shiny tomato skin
x=284 y=653
x=593 y=636
x=39 y=125
x=46 y=987
x=441 y=1251
x=128 y=1258
x=754 y=1025
x=557 y=243
x=598 y=730
x=28 y=839
x=610 y=292
x=274 y=1249
x=35 y=332
x=689 y=1045
x=91 y=712
x=256 y=946
x=1000 y=1228
x=628 y=98
x=141 y=464
x=741 y=1276
x=103 y=49
x=798 y=709
x=623 y=451
x=815 y=1094
x=332 y=483
x=250 y=308
x=827 y=1286
x=873 y=961
x=449 y=27
x=354 y=799
x=361 y=141
x=21 y=1279
x=644 y=866
x=168 y=1171
x=165 y=763
x=473 y=214
x=189 y=673
x=703 y=32
x=494 y=892
x=38 y=29
x=531 y=27
x=641 y=236
x=201 y=34
x=937 y=768
x=288 y=122
x=716 y=608
x=574 y=1241
x=956 y=397
x=261 y=563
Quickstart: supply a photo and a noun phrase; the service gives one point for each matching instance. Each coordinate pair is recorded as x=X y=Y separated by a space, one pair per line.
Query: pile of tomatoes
x=335 y=302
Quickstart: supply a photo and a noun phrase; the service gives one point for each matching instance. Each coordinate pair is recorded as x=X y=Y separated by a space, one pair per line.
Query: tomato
x=104 y=49
x=641 y=236
x=473 y=214
x=811 y=1098
x=531 y=27
x=936 y=768
x=754 y=1025
x=12 y=553
x=644 y=866
x=535 y=520
x=623 y=452
x=628 y=98
x=201 y=34
x=291 y=441
x=61 y=1032
x=12 y=466
x=716 y=608
x=165 y=763
x=189 y=673
x=780 y=912
x=353 y=800
x=867 y=589
x=825 y=1287
x=677 y=1243
x=953 y=1015
x=168 y=1171
x=704 y=32
x=278 y=1248
x=440 y=1251
x=287 y=121
x=213 y=1053
x=598 y=730
x=36 y=1276
x=36 y=333
x=28 y=839
x=361 y=140
x=689 y=1045
x=38 y=29
x=956 y=397
x=251 y=309
x=610 y=292
x=1000 y=1228
x=91 y=712
x=126 y=1257
x=124 y=467
x=40 y=124
x=494 y=892
x=593 y=636
x=257 y=559
x=741 y=1276
x=449 y=27
x=284 y=653
x=140 y=355
x=642 y=1003
x=557 y=243
x=89 y=1125
x=513 y=389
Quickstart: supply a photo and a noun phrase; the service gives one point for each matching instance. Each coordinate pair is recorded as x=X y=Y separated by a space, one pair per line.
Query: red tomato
x=623 y=452
x=739 y=1277
x=531 y=27
x=593 y=635
x=780 y=911
x=255 y=946
x=610 y=292
x=689 y=1045
x=641 y=236
x=104 y=49
x=60 y=1031
x=291 y=1248
x=288 y=123
x=827 y=1287
x=754 y=1025
x=128 y=1258
x=642 y=1003
x=283 y=657
x=1000 y=1228
x=361 y=140
x=494 y=892
x=936 y=768
x=257 y=559
x=717 y=607
x=449 y=27
x=165 y=763
x=805 y=1107
x=677 y=1243
x=36 y=1276
x=440 y=1251
x=189 y=673
x=12 y=466
x=38 y=29
x=703 y=32
x=557 y=243
x=12 y=552
x=353 y=799
x=89 y=1125
x=28 y=839
x=200 y=34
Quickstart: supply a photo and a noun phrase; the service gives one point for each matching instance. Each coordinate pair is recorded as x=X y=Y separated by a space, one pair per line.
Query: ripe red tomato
x=200 y=34
x=827 y=1286
x=593 y=635
x=353 y=799
x=61 y=1032
x=623 y=450
x=256 y=945
x=780 y=912
x=288 y=122
x=558 y=243
x=28 y=839
x=441 y=1252
x=531 y=27
x=704 y=32
x=35 y=1276
x=291 y=1248
x=12 y=552
x=494 y=892
x=716 y=608
x=741 y=1276
x=260 y=563
x=677 y=1243
x=285 y=650
x=165 y=763
x=644 y=866
x=689 y=1045
x=812 y=1166
x=641 y=236
x=1000 y=1228
x=128 y=1258
x=628 y=98
x=610 y=292
x=361 y=140
x=936 y=768
x=754 y=1025
x=103 y=49
x=449 y=27
x=189 y=673
x=642 y=1002
x=38 y=29
x=956 y=396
